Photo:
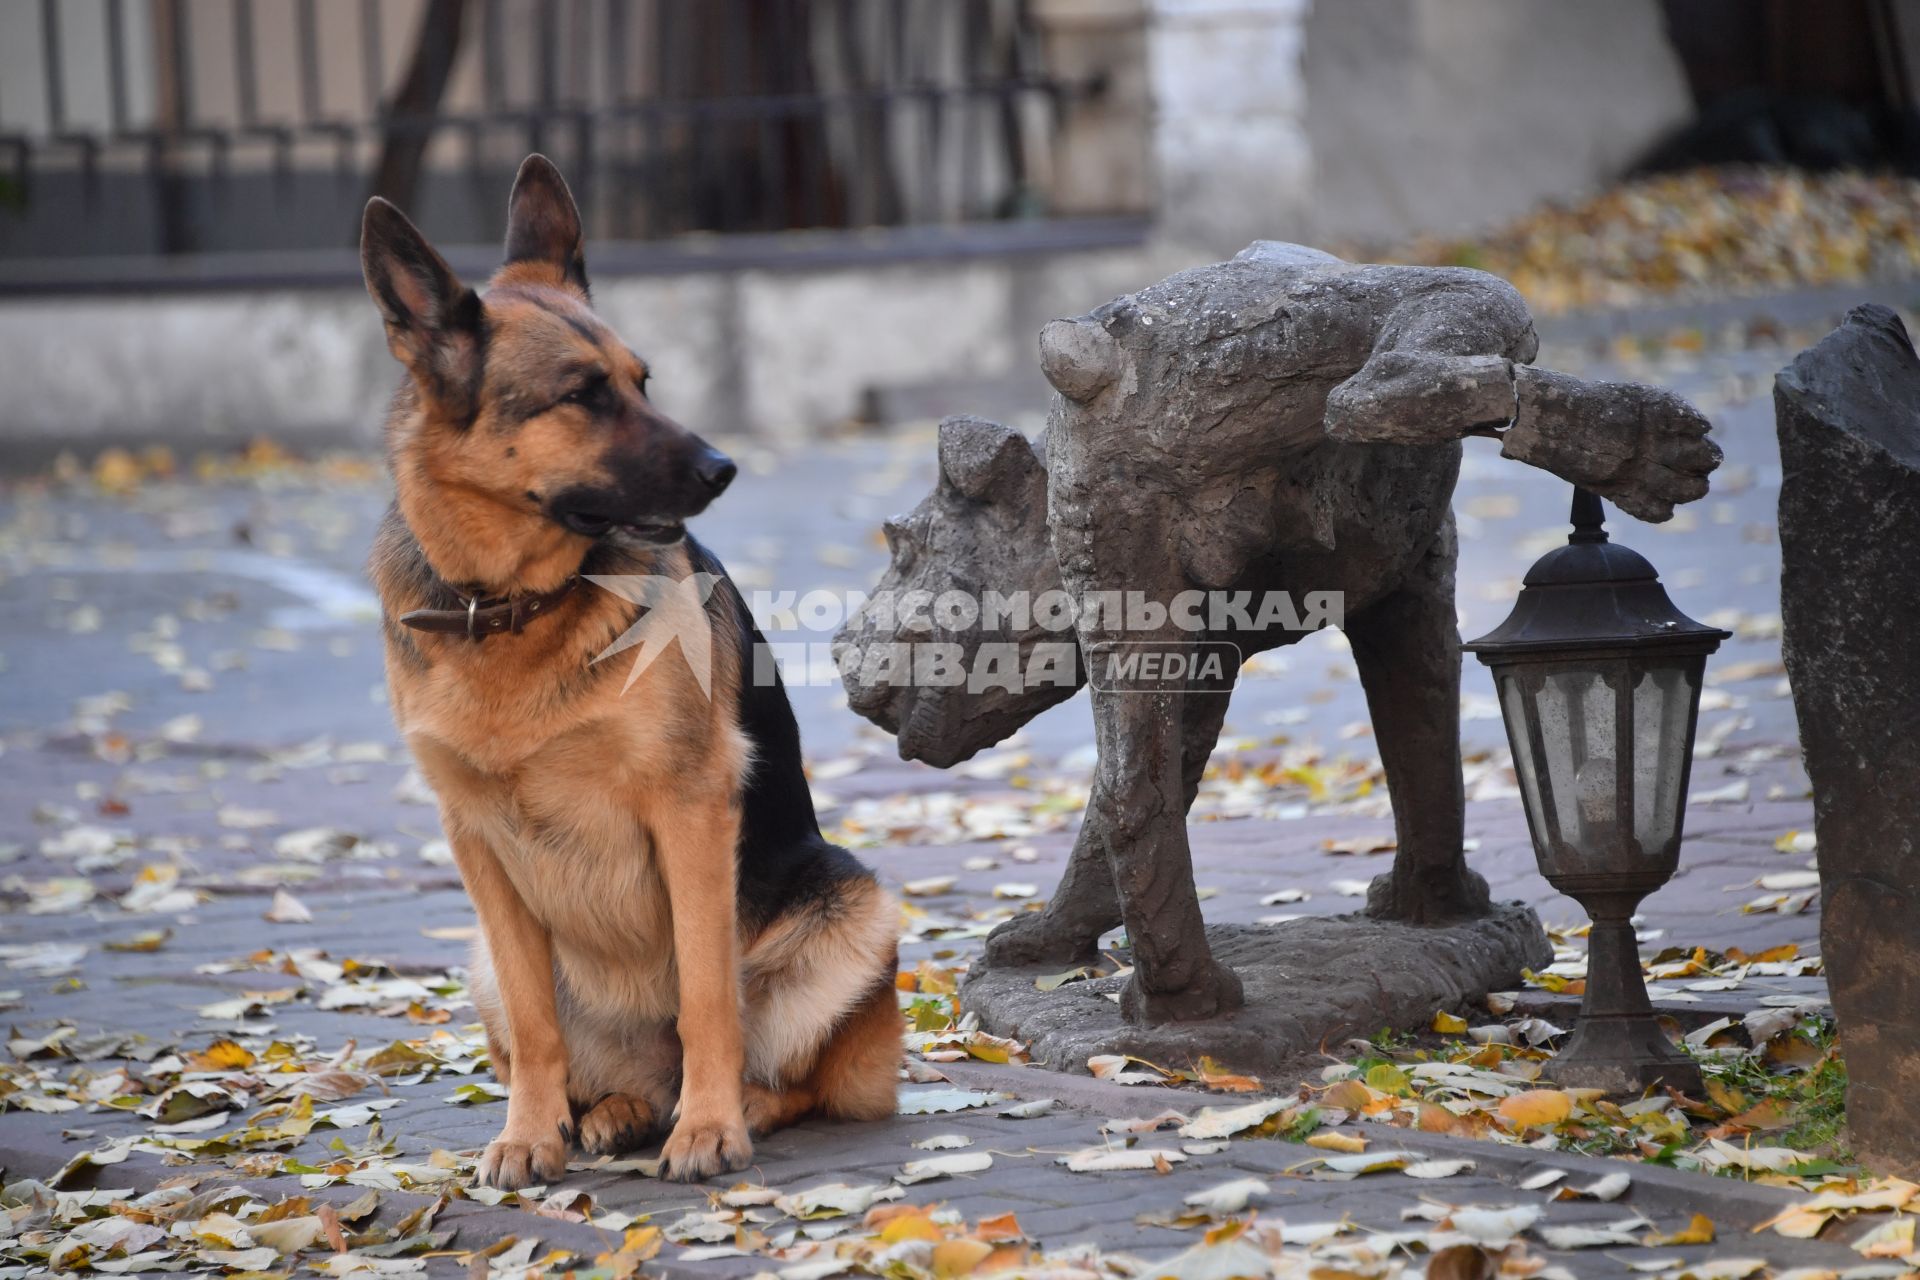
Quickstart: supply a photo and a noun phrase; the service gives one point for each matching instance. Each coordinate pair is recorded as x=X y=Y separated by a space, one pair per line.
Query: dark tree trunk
x=436 y=47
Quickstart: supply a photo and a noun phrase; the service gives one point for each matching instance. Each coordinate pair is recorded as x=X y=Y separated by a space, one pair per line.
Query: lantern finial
x=1589 y=517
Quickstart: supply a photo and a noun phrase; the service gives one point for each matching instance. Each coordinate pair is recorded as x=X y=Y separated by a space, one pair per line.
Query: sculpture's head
x=978 y=539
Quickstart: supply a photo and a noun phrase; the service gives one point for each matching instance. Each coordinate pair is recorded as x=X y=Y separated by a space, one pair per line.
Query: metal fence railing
x=171 y=127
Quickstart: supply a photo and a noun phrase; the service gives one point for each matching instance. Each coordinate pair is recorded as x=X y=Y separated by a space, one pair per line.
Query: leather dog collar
x=484 y=617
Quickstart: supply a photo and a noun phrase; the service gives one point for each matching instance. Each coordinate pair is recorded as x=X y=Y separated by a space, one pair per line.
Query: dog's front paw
x=699 y=1149
x=618 y=1122
x=510 y=1162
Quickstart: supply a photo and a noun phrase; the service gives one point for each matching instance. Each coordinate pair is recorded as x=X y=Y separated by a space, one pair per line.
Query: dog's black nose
x=716 y=471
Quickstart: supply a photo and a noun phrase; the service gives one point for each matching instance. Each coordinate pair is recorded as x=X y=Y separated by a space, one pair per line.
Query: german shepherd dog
x=665 y=937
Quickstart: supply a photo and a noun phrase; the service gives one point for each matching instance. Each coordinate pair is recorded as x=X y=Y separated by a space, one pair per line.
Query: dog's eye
x=587 y=393
x=645 y=378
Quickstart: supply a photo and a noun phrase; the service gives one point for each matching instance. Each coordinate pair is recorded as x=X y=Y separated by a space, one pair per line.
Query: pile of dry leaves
x=1734 y=230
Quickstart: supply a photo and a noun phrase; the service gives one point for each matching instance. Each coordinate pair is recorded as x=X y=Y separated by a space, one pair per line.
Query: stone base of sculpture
x=1309 y=985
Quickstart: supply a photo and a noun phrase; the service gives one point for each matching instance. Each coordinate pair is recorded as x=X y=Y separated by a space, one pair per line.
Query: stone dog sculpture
x=1285 y=421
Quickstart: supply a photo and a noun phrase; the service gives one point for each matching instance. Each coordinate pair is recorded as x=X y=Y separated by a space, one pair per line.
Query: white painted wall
x=1451 y=115
x=783 y=354
x=1229 y=120
x=1369 y=120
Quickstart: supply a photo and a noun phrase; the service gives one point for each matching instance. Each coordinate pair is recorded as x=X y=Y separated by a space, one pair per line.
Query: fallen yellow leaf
x=909 y=1226
x=149 y=940
x=225 y=1055
x=639 y=1245
x=1013 y=1255
x=1891 y=1239
x=1431 y=1117
x=117 y=471
x=1535 y=1109
x=1770 y=1114
x=1215 y=1076
x=1348 y=1095
x=1331 y=1140
x=1699 y=1231
x=1387 y=1078
x=1882 y=1193
x=1798 y=1223
x=959 y=1257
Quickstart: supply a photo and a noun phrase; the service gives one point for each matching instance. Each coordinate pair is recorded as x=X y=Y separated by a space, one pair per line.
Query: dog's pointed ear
x=433 y=320
x=543 y=223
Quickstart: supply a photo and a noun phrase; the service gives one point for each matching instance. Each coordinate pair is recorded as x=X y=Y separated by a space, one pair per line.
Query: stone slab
x=1849 y=535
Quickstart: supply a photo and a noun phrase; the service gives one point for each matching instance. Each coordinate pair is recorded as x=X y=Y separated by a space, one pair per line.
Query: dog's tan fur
x=595 y=828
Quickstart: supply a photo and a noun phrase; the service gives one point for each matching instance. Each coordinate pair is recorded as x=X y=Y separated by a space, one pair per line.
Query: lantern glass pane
x=1663 y=700
x=1513 y=705
x=1575 y=707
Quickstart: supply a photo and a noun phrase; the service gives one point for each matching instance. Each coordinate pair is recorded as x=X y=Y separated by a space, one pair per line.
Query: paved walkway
x=194 y=736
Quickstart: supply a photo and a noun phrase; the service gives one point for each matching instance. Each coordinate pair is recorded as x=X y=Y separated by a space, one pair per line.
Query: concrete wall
x=1448 y=115
x=188 y=368
x=1369 y=120
x=780 y=353
x=1229 y=120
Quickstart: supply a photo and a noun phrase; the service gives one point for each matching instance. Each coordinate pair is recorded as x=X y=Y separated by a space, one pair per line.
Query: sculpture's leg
x=1112 y=540
x=1201 y=715
x=1138 y=814
x=1407 y=647
x=1085 y=905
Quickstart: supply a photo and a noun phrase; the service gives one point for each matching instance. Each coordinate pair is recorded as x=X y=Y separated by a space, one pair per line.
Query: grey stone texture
x=1285 y=422
x=1848 y=412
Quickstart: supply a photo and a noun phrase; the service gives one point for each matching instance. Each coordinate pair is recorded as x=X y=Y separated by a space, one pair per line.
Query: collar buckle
x=477 y=617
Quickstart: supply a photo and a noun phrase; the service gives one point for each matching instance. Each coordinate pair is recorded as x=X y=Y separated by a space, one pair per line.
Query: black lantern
x=1599 y=682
